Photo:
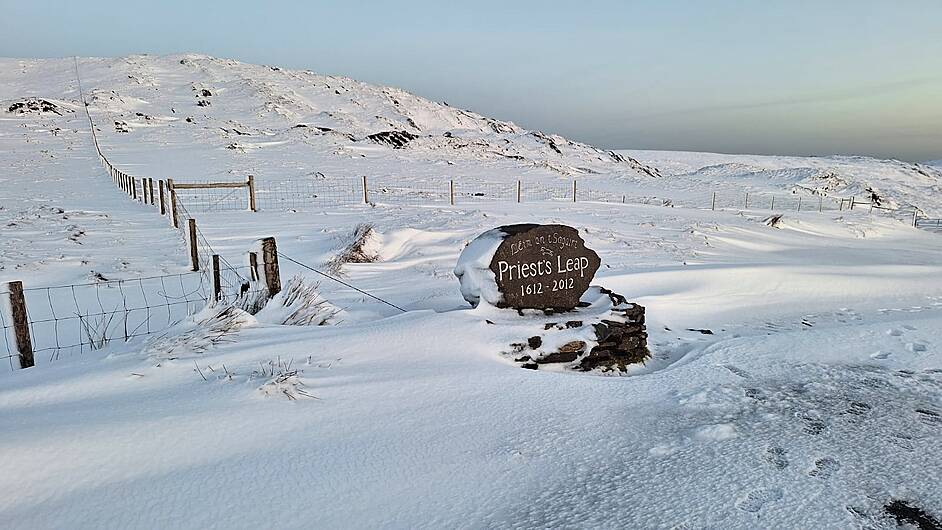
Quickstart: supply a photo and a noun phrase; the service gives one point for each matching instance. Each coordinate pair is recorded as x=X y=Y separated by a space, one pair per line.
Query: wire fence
x=310 y=194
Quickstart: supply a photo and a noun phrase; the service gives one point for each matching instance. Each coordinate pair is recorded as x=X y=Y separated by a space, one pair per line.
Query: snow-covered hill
x=796 y=370
x=889 y=183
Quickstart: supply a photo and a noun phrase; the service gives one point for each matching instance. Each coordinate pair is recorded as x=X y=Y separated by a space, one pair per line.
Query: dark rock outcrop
x=394 y=139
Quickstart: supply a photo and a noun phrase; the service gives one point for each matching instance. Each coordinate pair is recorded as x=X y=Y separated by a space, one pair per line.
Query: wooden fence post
x=451 y=192
x=251 y=185
x=194 y=252
x=253 y=266
x=746 y=207
x=915 y=219
x=820 y=203
x=150 y=189
x=519 y=190
x=852 y=201
x=163 y=209
x=217 y=283
x=366 y=196
x=270 y=261
x=799 y=203
x=573 y=190
x=173 y=204
x=713 y=202
x=24 y=343
x=772 y=206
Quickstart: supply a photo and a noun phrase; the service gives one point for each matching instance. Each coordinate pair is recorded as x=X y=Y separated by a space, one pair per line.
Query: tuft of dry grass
x=361 y=248
x=282 y=380
x=207 y=329
x=299 y=304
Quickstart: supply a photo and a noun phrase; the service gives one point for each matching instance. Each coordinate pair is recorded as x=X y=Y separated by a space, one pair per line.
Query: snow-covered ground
x=795 y=381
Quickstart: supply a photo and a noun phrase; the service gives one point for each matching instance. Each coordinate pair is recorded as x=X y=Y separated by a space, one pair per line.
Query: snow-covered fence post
x=194 y=252
x=251 y=186
x=573 y=190
x=163 y=208
x=871 y=208
x=746 y=202
x=852 y=201
x=217 y=283
x=150 y=189
x=713 y=202
x=270 y=262
x=799 y=203
x=451 y=192
x=915 y=219
x=772 y=205
x=173 y=204
x=820 y=203
x=366 y=195
x=519 y=190
x=24 y=343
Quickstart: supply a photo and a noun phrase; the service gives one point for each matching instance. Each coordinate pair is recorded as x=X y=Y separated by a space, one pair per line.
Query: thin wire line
x=312 y=269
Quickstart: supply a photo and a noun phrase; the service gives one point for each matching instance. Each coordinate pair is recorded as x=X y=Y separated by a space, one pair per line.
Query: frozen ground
x=796 y=379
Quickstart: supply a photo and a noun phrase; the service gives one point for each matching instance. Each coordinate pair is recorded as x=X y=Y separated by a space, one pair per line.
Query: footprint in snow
x=824 y=468
x=812 y=425
x=903 y=441
x=894 y=332
x=858 y=408
x=915 y=347
x=929 y=417
x=777 y=457
x=737 y=371
x=756 y=499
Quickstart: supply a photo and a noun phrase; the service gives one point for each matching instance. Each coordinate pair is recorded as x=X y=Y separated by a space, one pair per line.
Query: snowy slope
x=796 y=378
x=891 y=183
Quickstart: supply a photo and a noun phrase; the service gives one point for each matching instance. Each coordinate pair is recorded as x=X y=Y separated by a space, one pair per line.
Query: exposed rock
x=203 y=103
x=395 y=139
x=620 y=339
x=31 y=105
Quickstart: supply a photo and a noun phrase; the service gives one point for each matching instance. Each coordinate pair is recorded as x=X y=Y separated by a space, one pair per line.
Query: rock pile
x=31 y=105
x=607 y=342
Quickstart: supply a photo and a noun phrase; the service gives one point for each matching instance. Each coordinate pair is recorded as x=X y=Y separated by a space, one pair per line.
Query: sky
x=762 y=76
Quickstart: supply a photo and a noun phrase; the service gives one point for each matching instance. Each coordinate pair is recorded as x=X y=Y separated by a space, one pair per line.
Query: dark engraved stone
x=543 y=267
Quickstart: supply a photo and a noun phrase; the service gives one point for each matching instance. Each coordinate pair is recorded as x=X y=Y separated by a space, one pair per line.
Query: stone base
x=609 y=338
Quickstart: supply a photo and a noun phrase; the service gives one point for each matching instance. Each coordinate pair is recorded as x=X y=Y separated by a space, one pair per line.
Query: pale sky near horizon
x=768 y=77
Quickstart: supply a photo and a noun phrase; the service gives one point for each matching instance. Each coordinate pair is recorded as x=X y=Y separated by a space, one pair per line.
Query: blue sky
x=762 y=76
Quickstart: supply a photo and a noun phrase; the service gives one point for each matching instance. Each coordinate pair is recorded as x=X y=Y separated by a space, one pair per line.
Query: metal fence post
x=194 y=252
x=253 y=266
x=217 y=283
